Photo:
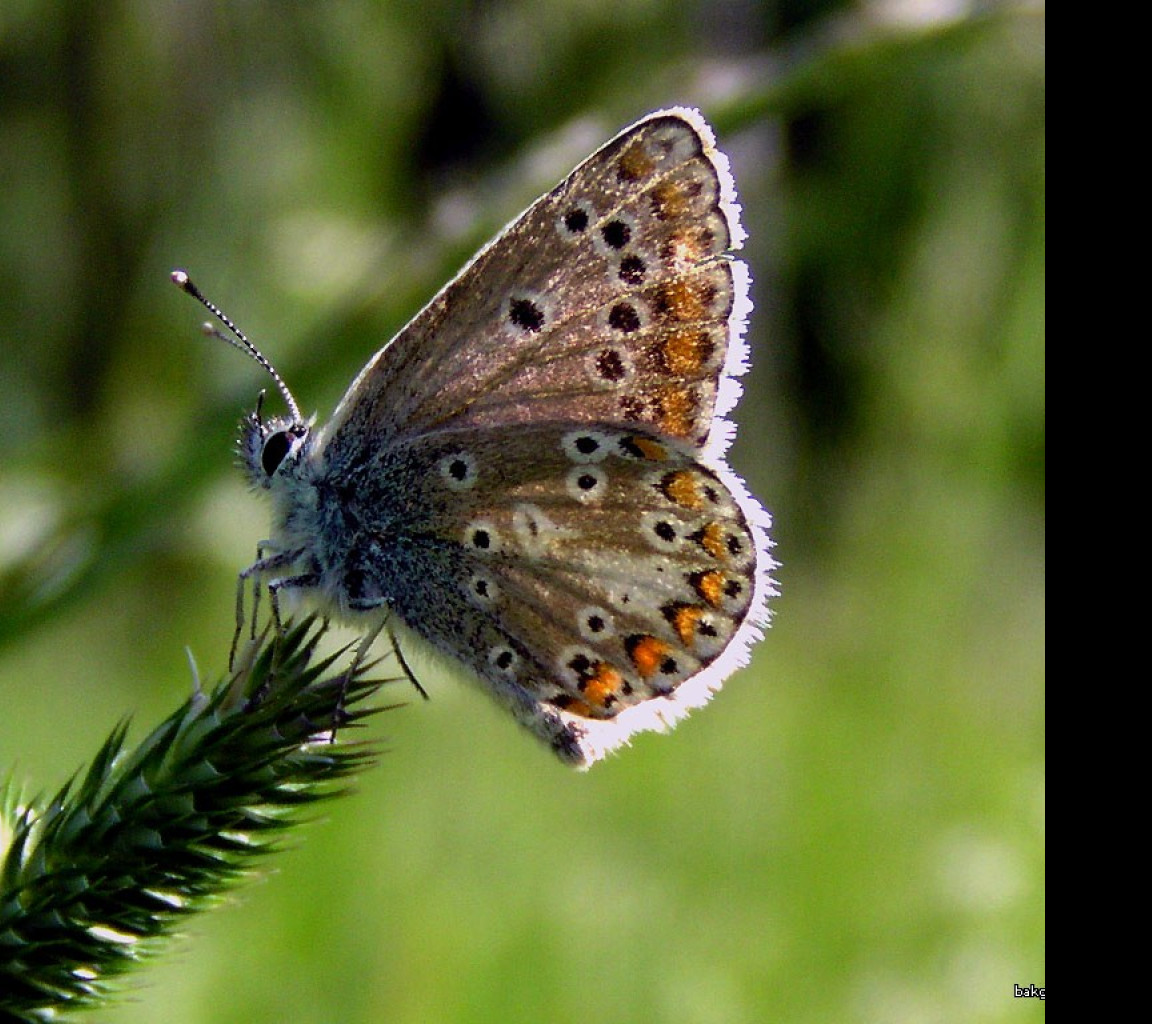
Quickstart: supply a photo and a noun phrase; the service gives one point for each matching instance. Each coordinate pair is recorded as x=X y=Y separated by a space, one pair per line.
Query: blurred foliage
x=854 y=830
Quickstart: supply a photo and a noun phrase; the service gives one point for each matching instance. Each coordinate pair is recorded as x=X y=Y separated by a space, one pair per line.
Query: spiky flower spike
x=92 y=880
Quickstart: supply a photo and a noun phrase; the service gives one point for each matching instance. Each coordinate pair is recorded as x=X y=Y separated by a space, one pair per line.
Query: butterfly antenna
x=237 y=339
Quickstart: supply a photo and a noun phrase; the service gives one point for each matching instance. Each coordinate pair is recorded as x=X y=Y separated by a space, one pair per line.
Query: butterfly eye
x=275 y=449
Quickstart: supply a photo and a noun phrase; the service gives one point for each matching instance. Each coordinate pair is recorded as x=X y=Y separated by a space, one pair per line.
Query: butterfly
x=531 y=476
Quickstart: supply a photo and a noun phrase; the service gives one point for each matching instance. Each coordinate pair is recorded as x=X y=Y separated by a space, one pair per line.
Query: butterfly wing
x=552 y=501
x=610 y=300
x=600 y=582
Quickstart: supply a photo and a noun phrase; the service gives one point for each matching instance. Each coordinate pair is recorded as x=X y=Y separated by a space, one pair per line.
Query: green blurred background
x=854 y=829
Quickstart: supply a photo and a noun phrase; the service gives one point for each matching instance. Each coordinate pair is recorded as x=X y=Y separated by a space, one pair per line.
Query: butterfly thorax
x=337 y=522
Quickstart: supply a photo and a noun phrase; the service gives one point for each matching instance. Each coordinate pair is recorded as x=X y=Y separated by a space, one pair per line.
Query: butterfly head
x=273 y=447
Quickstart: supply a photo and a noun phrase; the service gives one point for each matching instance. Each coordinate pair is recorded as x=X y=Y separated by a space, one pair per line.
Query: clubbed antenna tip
x=236 y=338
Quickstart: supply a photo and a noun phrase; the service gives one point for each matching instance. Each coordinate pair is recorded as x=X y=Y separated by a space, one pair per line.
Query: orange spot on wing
x=685 y=618
x=677 y=411
x=684 y=352
x=710 y=586
x=648 y=449
x=669 y=201
x=647 y=654
x=684 y=300
x=602 y=685
x=712 y=539
x=680 y=487
x=635 y=163
x=576 y=707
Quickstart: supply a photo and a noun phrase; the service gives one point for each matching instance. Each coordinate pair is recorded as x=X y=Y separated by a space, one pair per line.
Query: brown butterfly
x=531 y=476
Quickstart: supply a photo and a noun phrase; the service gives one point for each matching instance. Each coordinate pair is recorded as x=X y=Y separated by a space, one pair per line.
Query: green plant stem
x=93 y=880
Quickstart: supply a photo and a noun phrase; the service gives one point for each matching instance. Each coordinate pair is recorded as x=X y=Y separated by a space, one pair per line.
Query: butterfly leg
x=303 y=581
x=406 y=667
x=358 y=660
x=364 y=604
x=262 y=565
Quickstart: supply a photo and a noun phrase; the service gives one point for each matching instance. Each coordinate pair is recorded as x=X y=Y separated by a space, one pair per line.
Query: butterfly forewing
x=608 y=301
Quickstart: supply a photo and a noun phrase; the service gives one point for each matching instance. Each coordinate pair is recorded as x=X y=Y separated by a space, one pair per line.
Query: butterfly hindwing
x=580 y=572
